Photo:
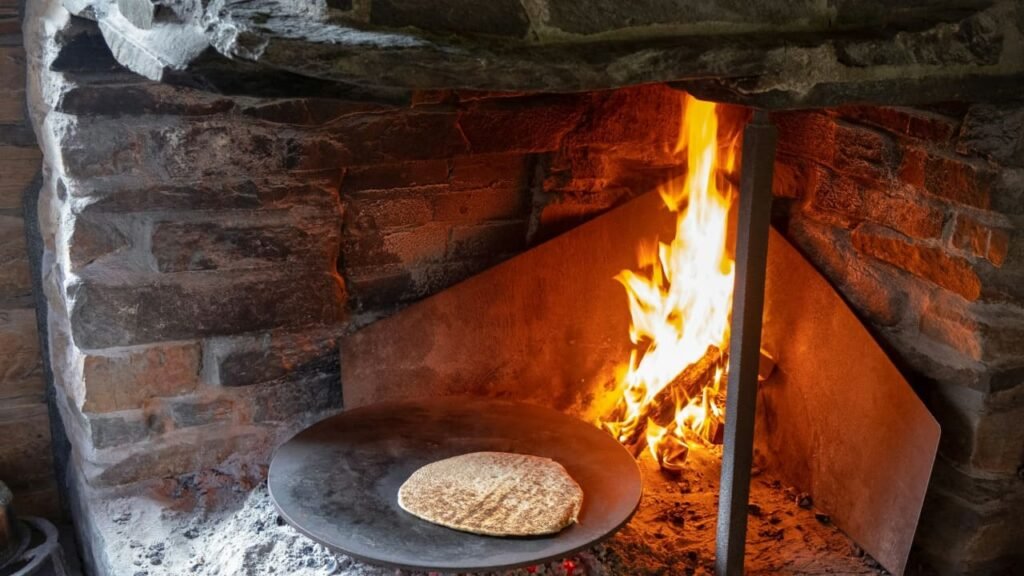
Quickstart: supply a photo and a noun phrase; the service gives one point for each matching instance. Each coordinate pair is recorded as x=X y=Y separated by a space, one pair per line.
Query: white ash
x=145 y=537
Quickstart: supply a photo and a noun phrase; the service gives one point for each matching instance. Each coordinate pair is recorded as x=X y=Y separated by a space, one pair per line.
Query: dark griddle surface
x=338 y=481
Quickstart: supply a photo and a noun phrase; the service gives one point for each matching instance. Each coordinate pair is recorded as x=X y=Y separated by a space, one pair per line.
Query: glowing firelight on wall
x=680 y=299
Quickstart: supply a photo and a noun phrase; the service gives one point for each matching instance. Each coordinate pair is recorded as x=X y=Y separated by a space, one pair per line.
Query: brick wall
x=204 y=252
x=916 y=217
x=25 y=457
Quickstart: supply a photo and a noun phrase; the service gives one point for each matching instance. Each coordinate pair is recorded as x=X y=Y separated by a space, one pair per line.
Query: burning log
x=662 y=409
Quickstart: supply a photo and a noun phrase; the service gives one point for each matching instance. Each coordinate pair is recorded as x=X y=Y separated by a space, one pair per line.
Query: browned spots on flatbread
x=494 y=493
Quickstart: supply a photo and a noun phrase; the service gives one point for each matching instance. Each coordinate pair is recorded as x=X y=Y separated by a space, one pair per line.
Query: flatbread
x=494 y=493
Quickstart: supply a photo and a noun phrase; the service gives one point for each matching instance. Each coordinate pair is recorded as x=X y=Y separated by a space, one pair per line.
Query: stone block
x=177 y=453
x=198 y=410
x=979 y=437
x=125 y=379
x=26 y=460
x=21 y=368
x=390 y=176
x=995 y=132
x=232 y=244
x=514 y=125
x=926 y=261
x=278 y=358
x=94 y=237
x=15 y=273
x=144 y=309
x=304 y=398
x=495 y=18
x=112 y=430
x=380 y=287
x=991 y=333
x=18 y=166
x=91 y=99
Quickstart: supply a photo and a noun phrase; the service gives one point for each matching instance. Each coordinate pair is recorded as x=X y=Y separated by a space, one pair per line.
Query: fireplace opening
x=254 y=217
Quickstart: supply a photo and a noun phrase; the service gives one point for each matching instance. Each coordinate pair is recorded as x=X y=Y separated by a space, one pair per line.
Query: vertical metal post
x=745 y=342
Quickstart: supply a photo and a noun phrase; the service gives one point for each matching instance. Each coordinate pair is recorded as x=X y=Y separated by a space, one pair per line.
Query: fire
x=680 y=300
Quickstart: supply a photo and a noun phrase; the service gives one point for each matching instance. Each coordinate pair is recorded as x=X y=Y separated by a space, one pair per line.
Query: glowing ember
x=680 y=300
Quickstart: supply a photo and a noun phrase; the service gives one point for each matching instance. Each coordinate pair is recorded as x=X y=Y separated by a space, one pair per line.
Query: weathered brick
x=124 y=379
x=21 y=369
x=958 y=181
x=919 y=124
x=992 y=333
x=143 y=309
x=406 y=246
x=862 y=153
x=306 y=397
x=140 y=100
x=797 y=129
x=915 y=217
x=998 y=246
x=912 y=166
x=880 y=297
x=638 y=122
x=273 y=357
x=18 y=166
x=178 y=246
x=925 y=261
x=793 y=177
x=392 y=209
x=314 y=112
x=119 y=429
x=488 y=239
x=500 y=171
x=225 y=194
x=15 y=273
x=534 y=124
x=981 y=438
x=836 y=199
x=480 y=205
x=971 y=236
x=404 y=174
x=393 y=138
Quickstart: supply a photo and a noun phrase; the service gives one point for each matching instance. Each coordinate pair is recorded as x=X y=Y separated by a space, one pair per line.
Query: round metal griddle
x=337 y=481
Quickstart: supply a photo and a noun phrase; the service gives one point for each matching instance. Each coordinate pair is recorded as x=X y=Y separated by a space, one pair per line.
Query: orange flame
x=680 y=301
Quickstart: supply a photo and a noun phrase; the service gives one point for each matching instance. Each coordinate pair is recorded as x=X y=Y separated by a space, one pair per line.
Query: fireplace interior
x=223 y=222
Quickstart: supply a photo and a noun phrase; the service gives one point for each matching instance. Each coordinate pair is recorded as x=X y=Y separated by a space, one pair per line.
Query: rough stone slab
x=124 y=379
x=190 y=305
x=21 y=369
x=18 y=166
x=271 y=358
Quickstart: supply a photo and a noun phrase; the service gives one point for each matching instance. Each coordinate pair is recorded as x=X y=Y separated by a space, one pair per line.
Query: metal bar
x=745 y=342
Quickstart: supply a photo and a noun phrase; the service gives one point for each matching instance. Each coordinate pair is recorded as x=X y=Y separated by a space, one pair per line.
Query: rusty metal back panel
x=837 y=419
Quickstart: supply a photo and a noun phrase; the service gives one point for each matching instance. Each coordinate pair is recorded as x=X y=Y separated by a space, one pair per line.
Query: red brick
x=391 y=176
x=917 y=124
x=837 y=199
x=792 y=178
x=914 y=217
x=861 y=152
x=124 y=379
x=912 y=167
x=536 y=124
x=957 y=181
x=971 y=236
x=998 y=246
x=928 y=262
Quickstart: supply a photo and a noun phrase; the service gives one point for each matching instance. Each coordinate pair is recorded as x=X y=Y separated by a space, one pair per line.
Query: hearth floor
x=196 y=529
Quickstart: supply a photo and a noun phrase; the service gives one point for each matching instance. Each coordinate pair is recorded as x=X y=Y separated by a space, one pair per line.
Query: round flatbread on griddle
x=494 y=493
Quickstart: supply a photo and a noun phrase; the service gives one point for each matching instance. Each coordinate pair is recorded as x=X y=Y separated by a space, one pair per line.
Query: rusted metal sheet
x=548 y=326
x=836 y=418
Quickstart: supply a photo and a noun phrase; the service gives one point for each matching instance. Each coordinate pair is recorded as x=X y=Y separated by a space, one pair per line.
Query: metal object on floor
x=745 y=341
x=337 y=481
x=42 y=554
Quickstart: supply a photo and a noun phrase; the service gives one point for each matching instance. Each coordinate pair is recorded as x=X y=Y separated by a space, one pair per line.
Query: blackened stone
x=488 y=239
x=225 y=195
x=187 y=412
x=995 y=132
x=495 y=17
x=276 y=358
x=83 y=50
x=179 y=246
x=303 y=397
x=394 y=138
x=596 y=16
x=148 y=308
x=339 y=4
x=141 y=99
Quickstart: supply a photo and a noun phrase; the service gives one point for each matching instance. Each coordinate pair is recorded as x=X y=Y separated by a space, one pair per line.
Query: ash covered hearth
x=266 y=262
